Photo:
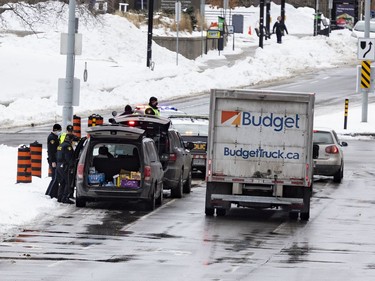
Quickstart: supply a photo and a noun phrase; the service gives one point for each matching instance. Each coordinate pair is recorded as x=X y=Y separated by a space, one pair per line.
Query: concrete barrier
x=189 y=47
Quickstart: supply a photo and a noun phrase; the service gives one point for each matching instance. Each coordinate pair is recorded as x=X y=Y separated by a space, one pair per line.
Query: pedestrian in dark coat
x=65 y=162
x=280 y=28
x=52 y=144
x=127 y=110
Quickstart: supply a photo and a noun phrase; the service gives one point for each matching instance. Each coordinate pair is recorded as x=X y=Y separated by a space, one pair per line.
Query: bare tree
x=30 y=12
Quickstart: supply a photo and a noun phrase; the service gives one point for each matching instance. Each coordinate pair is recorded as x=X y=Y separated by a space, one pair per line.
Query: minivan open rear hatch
x=110 y=131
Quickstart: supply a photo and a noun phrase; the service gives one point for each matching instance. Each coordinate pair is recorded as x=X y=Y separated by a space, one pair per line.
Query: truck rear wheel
x=221 y=212
x=209 y=211
x=305 y=216
x=293 y=215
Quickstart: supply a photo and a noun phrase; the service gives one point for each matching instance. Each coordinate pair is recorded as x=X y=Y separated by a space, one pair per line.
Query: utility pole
x=268 y=17
x=261 y=23
x=149 y=32
x=67 y=114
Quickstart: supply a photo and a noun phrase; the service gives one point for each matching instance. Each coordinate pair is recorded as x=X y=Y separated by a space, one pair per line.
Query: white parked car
x=330 y=161
x=359 y=29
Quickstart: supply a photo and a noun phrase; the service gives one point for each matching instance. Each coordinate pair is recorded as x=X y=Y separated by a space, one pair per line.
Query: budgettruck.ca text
x=261 y=153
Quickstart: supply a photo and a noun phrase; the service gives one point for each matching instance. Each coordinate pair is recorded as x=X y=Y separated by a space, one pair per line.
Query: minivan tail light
x=80 y=169
x=332 y=149
x=172 y=157
x=147 y=173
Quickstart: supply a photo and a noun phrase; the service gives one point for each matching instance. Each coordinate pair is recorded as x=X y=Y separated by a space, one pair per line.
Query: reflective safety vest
x=156 y=111
x=62 y=138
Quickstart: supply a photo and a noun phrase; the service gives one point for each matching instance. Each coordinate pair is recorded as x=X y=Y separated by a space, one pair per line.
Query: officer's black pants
x=63 y=180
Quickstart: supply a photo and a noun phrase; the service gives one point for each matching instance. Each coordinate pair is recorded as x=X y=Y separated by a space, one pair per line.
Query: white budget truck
x=260 y=151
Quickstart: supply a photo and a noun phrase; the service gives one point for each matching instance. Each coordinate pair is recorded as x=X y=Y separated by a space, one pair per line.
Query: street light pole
x=149 y=32
x=67 y=114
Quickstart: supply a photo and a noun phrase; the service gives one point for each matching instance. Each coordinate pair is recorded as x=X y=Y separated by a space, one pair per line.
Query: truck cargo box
x=260 y=150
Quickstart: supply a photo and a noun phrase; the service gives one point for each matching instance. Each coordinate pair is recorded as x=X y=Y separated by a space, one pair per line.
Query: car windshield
x=322 y=137
x=191 y=130
x=360 y=26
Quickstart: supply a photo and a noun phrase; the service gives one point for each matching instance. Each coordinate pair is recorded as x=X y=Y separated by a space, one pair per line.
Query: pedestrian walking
x=152 y=108
x=52 y=144
x=280 y=29
x=65 y=163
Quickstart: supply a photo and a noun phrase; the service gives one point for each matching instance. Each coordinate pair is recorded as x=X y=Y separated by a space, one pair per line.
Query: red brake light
x=80 y=169
x=172 y=157
x=332 y=149
x=131 y=123
x=147 y=173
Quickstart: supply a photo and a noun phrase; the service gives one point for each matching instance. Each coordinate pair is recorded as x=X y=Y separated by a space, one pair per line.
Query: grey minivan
x=173 y=152
x=118 y=163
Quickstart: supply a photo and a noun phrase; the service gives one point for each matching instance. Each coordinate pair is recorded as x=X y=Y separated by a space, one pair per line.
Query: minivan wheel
x=187 y=185
x=159 y=200
x=177 y=191
x=80 y=202
x=151 y=203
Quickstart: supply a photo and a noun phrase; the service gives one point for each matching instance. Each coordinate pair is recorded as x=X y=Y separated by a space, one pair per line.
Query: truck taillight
x=147 y=173
x=332 y=149
x=172 y=157
x=80 y=169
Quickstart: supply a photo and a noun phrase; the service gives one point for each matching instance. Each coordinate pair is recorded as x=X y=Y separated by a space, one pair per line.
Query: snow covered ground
x=114 y=51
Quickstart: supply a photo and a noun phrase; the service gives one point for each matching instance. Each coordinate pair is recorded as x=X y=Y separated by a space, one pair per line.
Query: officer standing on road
x=65 y=162
x=152 y=108
x=52 y=144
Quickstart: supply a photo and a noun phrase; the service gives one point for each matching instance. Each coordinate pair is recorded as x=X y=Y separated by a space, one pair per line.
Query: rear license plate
x=199 y=162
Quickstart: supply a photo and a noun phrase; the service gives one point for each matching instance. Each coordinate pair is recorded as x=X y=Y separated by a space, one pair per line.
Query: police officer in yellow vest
x=65 y=162
x=152 y=108
x=69 y=130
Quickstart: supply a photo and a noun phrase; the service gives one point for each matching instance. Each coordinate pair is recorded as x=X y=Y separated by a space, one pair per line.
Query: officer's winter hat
x=56 y=127
x=69 y=128
x=153 y=99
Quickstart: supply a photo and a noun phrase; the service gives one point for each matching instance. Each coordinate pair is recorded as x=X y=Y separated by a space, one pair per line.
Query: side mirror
x=315 y=151
x=189 y=145
x=114 y=113
x=344 y=143
x=112 y=121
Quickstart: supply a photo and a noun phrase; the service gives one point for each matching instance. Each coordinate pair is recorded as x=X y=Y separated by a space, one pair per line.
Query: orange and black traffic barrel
x=36 y=159
x=77 y=126
x=91 y=120
x=24 y=165
x=49 y=171
x=95 y=120
x=99 y=120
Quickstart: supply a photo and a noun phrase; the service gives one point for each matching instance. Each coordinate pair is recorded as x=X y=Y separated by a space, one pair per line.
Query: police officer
x=69 y=131
x=52 y=144
x=152 y=108
x=65 y=162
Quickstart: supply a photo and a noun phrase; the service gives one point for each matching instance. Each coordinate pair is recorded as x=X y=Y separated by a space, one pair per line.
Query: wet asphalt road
x=178 y=242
